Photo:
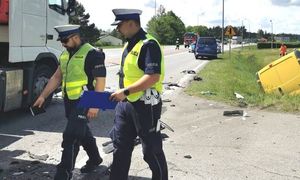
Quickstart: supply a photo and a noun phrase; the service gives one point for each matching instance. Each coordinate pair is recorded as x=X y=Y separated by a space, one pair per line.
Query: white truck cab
x=28 y=48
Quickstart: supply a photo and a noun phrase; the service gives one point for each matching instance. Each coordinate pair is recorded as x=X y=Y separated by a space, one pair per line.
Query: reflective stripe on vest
x=74 y=76
x=132 y=72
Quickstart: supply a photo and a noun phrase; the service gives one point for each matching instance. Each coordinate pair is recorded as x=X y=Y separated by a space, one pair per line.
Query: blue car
x=206 y=47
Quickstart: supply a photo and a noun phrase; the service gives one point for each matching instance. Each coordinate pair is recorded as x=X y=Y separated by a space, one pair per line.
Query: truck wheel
x=42 y=75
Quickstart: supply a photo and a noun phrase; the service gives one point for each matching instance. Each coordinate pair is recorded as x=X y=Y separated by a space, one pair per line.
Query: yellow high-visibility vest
x=74 y=76
x=132 y=72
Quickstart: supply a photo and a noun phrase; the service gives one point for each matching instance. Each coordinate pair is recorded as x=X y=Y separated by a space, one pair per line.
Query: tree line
x=166 y=26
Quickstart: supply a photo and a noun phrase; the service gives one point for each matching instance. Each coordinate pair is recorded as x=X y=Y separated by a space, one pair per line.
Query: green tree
x=205 y=31
x=260 y=34
x=201 y=30
x=89 y=32
x=166 y=27
x=215 y=31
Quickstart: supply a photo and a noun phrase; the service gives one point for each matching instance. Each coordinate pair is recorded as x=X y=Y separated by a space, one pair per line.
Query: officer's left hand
x=118 y=95
x=92 y=113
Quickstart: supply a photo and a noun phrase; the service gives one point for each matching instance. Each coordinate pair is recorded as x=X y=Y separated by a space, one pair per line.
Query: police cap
x=65 y=31
x=126 y=14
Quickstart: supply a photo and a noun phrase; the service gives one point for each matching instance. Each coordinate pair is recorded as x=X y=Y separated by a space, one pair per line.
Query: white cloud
x=255 y=14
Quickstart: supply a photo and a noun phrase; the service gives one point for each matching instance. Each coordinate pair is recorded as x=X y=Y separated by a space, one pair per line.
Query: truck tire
x=42 y=75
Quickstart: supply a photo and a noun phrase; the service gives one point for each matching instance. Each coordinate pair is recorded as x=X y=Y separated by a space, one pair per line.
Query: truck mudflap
x=3 y=11
x=11 y=87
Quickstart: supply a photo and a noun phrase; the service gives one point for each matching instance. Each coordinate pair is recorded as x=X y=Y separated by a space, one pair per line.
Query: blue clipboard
x=93 y=99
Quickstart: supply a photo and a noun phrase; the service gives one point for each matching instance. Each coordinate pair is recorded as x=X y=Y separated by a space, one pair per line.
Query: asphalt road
x=30 y=146
x=205 y=145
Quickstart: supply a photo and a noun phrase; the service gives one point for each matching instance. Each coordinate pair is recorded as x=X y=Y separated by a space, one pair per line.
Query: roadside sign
x=229 y=31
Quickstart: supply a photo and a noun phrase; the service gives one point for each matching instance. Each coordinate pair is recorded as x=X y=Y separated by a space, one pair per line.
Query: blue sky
x=253 y=14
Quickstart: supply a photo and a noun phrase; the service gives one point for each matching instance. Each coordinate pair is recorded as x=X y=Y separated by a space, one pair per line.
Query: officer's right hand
x=39 y=102
x=118 y=95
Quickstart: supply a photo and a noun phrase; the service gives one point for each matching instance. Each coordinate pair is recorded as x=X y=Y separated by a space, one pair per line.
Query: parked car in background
x=189 y=38
x=219 y=46
x=192 y=47
x=206 y=47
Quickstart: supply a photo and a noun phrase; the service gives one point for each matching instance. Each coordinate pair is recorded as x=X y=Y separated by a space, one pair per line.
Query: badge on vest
x=135 y=53
x=78 y=56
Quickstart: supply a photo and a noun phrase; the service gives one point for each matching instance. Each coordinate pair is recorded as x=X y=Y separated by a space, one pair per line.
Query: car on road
x=219 y=46
x=192 y=47
x=189 y=38
x=206 y=47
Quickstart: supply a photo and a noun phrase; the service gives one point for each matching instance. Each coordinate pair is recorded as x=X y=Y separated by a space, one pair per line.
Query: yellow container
x=281 y=76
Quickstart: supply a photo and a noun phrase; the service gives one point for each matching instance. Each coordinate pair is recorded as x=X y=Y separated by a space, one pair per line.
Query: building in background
x=282 y=38
x=110 y=40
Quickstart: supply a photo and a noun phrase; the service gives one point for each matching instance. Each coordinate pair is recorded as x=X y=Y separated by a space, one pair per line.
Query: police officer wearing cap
x=139 y=109
x=81 y=66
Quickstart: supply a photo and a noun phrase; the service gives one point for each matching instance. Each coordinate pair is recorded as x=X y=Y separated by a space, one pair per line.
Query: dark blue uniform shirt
x=150 y=56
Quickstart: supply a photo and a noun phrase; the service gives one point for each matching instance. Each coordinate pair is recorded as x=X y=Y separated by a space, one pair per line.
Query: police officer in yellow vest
x=139 y=108
x=81 y=66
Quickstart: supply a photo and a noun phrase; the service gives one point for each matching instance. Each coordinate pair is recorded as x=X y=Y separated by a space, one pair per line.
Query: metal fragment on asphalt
x=18 y=173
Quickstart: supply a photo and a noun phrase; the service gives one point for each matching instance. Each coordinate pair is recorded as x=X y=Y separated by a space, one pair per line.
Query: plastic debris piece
x=233 y=113
x=207 y=93
x=18 y=173
x=38 y=157
x=166 y=100
x=238 y=96
x=197 y=78
x=189 y=72
x=188 y=156
x=174 y=84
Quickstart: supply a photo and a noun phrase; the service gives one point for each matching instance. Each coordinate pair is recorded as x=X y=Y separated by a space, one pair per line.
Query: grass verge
x=227 y=75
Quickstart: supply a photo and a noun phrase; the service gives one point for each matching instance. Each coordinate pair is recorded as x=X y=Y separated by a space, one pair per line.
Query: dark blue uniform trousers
x=77 y=132
x=134 y=119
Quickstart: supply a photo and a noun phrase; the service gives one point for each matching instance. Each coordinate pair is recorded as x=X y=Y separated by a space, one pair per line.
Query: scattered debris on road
x=166 y=100
x=14 y=162
x=188 y=72
x=172 y=105
x=197 y=78
x=238 y=96
x=174 y=84
x=18 y=173
x=38 y=157
x=108 y=146
x=207 y=93
x=233 y=113
x=164 y=125
x=188 y=156
x=242 y=104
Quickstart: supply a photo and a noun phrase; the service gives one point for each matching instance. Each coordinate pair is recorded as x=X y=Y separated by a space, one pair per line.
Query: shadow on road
x=21 y=169
x=36 y=170
x=22 y=123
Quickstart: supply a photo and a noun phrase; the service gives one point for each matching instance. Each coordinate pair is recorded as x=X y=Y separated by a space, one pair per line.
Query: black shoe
x=90 y=166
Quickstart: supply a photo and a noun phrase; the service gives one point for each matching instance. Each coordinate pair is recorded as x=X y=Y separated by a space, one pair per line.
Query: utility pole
x=271 y=34
x=242 y=32
x=249 y=33
x=223 y=27
x=155 y=8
